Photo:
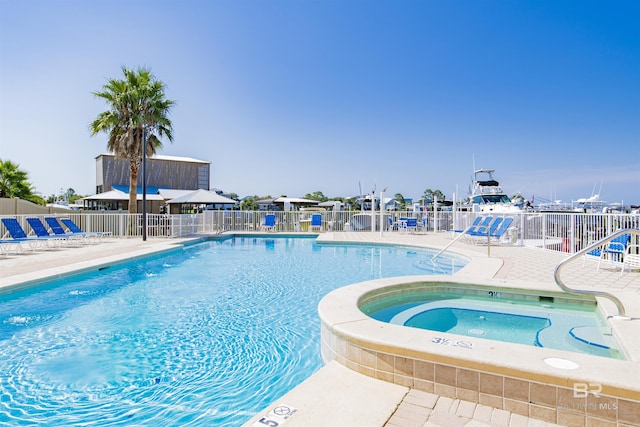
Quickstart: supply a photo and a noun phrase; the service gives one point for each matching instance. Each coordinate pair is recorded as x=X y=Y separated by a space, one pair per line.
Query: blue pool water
x=486 y=324
x=206 y=335
x=576 y=327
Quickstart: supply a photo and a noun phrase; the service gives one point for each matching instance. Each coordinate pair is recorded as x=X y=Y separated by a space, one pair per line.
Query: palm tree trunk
x=133 y=187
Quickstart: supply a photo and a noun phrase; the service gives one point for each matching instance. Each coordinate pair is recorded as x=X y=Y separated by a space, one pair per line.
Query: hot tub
x=537 y=380
x=558 y=321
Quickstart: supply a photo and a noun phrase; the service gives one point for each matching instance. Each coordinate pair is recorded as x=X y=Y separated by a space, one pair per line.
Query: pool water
x=576 y=327
x=205 y=335
x=486 y=324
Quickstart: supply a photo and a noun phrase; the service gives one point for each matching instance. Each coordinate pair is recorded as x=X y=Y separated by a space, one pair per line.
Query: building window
x=203 y=177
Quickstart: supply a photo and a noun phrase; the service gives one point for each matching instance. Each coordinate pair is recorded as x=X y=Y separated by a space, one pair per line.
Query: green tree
x=14 y=182
x=429 y=195
x=137 y=104
x=70 y=196
x=316 y=195
x=250 y=203
x=351 y=204
x=399 y=199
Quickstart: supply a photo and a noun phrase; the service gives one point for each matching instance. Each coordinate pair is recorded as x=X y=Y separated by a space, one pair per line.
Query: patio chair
x=316 y=222
x=422 y=225
x=411 y=224
x=269 y=222
x=631 y=258
x=391 y=225
x=614 y=250
x=594 y=253
x=73 y=227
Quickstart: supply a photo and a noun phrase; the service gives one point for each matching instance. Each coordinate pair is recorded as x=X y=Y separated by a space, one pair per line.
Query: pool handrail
x=463 y=233
x=584 y=251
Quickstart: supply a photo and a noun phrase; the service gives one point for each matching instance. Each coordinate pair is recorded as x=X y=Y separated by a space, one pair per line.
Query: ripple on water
x=204 y=336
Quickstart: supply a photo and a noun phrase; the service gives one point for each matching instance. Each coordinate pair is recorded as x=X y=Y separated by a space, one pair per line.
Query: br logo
x=582 y=390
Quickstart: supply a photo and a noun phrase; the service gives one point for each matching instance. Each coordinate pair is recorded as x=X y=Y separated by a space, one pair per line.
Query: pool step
x=586 y=339
x=592 y=336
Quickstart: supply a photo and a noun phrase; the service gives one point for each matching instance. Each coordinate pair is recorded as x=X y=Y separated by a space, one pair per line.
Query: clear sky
x=292 y=97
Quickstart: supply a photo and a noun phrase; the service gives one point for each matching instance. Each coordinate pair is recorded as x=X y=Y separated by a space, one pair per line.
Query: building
x=167 y=177
x=167 y=172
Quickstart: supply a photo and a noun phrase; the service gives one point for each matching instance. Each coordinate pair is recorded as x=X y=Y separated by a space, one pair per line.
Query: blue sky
x=292 y=97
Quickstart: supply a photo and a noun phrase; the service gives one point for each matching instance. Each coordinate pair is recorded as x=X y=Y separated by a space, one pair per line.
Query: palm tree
x=137 y=106
x=13 y=181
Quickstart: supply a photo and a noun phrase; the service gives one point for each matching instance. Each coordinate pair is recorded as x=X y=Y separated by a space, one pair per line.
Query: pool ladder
x=561 y=264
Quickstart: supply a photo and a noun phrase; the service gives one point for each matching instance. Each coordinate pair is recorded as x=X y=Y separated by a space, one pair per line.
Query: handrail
x=452 y=242
x=561 y=264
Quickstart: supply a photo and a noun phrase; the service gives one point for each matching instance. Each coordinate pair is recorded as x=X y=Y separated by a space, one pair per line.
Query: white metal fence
x=567 y=232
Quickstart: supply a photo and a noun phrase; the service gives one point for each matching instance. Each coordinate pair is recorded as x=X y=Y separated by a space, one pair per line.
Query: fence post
x=572 y=234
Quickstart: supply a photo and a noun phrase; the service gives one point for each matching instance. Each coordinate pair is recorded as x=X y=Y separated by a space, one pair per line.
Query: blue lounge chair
x=504 y=226
x=494 y=232
x=482 y=228
x=68 y=222
x=479 y=227
x=10 y=246
x=57 y=229
x=269 y=222
x=41 y=231
x=476 y=222
x=316 y=222
x=456 y=231
x=18 y=235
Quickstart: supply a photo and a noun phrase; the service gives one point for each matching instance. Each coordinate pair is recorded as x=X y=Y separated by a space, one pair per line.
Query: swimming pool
x=206 y=335
x=536 y=320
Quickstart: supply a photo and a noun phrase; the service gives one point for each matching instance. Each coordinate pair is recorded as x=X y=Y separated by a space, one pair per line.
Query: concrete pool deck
x=336 y=395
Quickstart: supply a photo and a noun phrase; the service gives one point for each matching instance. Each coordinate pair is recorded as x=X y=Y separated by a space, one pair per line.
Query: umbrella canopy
x=296 y=200
x=119 y=195
x=202 y=197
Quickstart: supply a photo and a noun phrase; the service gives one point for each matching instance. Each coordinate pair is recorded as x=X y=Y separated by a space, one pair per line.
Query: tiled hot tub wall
x=550 y=403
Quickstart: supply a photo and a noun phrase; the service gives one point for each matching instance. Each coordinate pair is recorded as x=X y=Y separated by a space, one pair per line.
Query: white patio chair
x=631 y=258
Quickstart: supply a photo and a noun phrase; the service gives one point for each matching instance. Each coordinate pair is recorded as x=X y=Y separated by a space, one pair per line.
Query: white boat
x=591 y=204
x=553 y=206
x=488 y=196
